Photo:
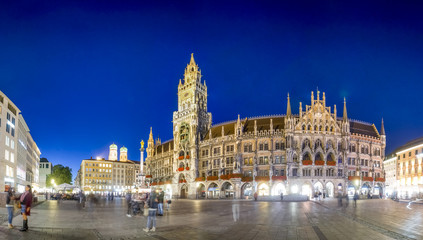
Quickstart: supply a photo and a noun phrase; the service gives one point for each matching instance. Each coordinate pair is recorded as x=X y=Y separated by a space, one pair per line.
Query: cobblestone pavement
x=221 y=219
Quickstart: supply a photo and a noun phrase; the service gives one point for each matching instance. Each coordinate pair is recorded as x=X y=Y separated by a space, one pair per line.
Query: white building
x=46 y=168
x=19 y=154
x=390 y=166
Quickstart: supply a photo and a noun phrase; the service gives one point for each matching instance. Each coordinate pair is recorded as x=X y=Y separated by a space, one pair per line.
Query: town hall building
x=312 y=151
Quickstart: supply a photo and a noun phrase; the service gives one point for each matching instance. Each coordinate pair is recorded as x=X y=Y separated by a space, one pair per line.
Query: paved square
x=222 y=219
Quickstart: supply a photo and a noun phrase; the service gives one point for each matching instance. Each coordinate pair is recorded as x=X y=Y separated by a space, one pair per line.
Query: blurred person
x=160 y=201
x=26 y=202
x=10 y=198
x=152 y=211
x=235 y=211
x=355 y=199
x=128 y=199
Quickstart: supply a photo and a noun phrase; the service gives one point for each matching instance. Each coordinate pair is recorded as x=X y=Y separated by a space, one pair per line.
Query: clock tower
x=190 y=122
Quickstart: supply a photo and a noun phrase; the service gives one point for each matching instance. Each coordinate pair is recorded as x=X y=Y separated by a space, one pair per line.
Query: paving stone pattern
x=216 y=219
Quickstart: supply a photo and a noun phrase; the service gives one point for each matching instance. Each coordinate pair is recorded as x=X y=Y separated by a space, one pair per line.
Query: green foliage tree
x=60 y=174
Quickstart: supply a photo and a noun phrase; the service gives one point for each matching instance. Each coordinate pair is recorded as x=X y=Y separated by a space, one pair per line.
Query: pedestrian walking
x=26 y=202
x=255 y=196
x=82 y=199
x=355 y=199
x=320 y=195
x=281 y=196
x=9 y=204
x=347 y=200
x=128 y=198
x=152 y=211
x=160 y=199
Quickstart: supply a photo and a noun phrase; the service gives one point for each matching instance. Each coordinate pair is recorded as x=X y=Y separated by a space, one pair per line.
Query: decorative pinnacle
x=288 y=107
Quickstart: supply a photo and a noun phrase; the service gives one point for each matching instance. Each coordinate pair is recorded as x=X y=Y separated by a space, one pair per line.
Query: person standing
x=128 y=198
x=152 y=211
x=161 y=199
x=355 y=199
x=26 y=202
x=255 y=196
x=347 y=200
x=9 y=205
x=281 y=196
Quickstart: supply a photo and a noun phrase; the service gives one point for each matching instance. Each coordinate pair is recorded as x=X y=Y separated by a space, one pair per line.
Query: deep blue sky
x=86 y=74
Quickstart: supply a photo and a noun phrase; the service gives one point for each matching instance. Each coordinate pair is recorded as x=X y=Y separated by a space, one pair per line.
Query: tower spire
x=345 y=116
x=382 y=129
x=192 y=61
x=288 y=107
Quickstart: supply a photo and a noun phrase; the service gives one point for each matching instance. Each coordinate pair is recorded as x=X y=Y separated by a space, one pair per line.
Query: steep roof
x=363 y=128
x=229 y=129
x=263 y=123
x=166 y=146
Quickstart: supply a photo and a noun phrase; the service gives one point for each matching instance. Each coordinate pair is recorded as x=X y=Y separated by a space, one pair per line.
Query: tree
x=60 y=175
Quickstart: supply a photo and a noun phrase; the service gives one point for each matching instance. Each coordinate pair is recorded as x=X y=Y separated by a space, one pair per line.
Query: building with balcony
x=314 y=150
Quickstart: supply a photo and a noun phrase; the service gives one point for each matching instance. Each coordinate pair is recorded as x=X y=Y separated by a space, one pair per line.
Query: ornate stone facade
x=295 y=154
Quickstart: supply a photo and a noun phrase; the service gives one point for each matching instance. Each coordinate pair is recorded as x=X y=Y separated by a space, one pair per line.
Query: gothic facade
x=314 y=150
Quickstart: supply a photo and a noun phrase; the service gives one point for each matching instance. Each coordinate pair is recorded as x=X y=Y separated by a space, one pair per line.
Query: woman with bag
x=26 y=202
x=9 y=205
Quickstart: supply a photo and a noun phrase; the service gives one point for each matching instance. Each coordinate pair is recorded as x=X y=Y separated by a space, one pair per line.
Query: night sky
x=90 y=73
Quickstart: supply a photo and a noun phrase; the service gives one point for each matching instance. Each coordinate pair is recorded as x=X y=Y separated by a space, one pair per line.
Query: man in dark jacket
x=152 y=211
x=160 y=199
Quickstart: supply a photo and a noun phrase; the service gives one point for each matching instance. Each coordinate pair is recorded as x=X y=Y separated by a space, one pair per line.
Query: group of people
x=22 y=201
x=347 y=199
x=151 y=204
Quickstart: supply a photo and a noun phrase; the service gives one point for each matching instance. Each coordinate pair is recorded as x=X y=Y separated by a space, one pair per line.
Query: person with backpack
x=152 y=211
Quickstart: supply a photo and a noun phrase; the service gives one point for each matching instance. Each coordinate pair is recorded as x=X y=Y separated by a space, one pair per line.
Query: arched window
x=340 y=159
x=317 y=144
x=282 y=146
x=306 y=156
x=309 y=128
x=306 y=143
x=303 y=127
x=329 y=144
x=315 y=128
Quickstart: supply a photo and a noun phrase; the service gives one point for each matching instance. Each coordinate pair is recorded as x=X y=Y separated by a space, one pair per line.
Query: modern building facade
x=314 y=150
x=409 y=180
x=108 y=176
x=19 y=154
x=46 y=168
